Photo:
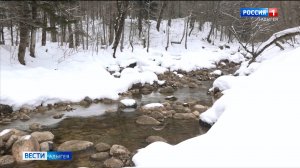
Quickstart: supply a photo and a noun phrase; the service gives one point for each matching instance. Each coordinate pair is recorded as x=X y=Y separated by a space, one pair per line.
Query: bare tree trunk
x=122 y=11
x=2 y=35
x=111 y=31
x=33 y=30
x=97 y=42
x=11 y=33
x=44 y=33
x=53 y=29
x=186 y=31
x=131 y=35
x=168 y=34
x=122 y=39
x=192 y=23
x=77 y=42
x=17 y=37
x=82 y=37
x=62 y=35
x=24 y=31
x=164 y=5
x=140 y=19
x=148 y=36
x=104 y=31
x=149 y=25
x=87 y=32
x=71 y=39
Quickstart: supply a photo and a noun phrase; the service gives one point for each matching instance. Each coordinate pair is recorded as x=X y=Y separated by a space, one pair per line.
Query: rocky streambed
x=107 y=133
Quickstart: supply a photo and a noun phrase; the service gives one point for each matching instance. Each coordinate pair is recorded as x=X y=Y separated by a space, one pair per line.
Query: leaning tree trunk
x=33 y=30
x=164 y=5
x=24 y=31
x=122 y=11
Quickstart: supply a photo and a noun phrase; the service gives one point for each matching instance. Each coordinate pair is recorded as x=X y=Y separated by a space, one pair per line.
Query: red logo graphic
x=273 y=12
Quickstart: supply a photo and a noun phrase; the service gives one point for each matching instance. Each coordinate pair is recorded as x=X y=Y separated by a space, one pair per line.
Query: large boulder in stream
x=43 y=136
x=26 y=143
x=100 y=156
x=7 y=161
x=5 y=109
x=127 y=103
x=76 y=146
x=102 y=147
x=146 y=120
x=119 y=151
x=113 y=163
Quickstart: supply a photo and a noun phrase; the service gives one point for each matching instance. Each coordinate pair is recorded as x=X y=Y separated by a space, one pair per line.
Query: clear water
x=92 y=124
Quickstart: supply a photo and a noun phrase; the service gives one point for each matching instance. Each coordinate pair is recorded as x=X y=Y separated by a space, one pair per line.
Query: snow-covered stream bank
x=256 y=121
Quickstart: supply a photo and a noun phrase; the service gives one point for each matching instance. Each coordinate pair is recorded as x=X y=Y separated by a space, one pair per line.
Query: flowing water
x=93 y=124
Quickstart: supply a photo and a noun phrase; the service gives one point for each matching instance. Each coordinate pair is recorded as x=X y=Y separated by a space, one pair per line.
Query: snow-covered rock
x=153 y=105
x=128 y=103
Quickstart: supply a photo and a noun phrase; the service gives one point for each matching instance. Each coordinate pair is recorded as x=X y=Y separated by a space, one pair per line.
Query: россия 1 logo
x=258 y=12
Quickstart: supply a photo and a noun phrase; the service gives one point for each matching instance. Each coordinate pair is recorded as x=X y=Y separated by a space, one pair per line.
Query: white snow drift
x=256 y=122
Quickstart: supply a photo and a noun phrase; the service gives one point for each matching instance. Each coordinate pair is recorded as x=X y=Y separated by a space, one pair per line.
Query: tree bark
x=53 y=29
x=82 y=37
x=11 y=33
x=122 y=11
x=164 y=5
x=44 y=33
x=24 y=32
x=87 y=32
x=77 y=42
x=71 y=39
x=122 y=39
x=2 y=35
x=33 y=30
x=140 y=18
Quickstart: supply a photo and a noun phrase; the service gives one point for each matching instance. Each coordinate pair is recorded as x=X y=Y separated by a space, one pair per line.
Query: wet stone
x=43 y=136
x=119 y=151
x=171 y=98
x=58 y=115
x=36 y=126
x=113 y=163
x=7 y=161
x=24 y=117
x=12 y=139
x=75 y=146
x=46 y=146
x=153 y=138
x=100 y=156
x=102 y=147
x=146 y=120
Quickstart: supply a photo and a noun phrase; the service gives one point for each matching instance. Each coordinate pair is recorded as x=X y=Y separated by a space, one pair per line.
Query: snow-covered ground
x=256 y=121
x=61 y=74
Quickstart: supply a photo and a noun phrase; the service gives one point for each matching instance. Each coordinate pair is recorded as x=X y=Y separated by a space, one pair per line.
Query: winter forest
x=149 y=83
